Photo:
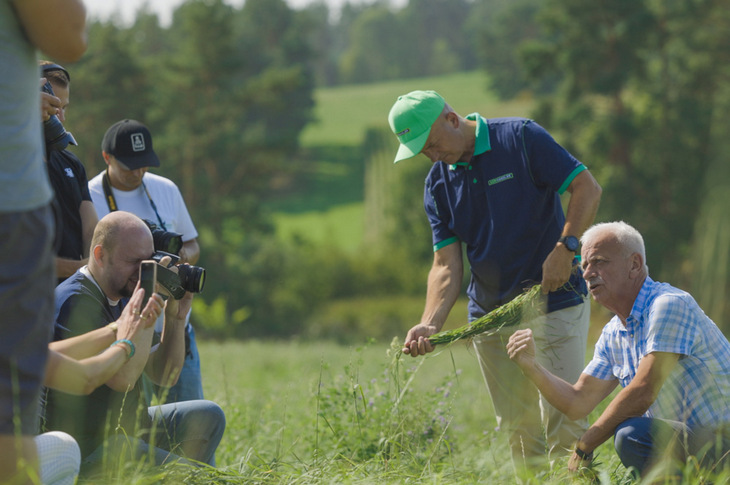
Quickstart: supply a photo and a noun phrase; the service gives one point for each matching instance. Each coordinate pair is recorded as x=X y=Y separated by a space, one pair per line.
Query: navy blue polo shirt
x=504 y=205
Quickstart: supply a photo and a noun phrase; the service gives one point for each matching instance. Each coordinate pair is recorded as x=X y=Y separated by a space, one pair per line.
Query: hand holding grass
x=417 y=341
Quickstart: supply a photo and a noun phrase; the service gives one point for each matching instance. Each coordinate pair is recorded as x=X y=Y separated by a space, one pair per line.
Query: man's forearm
x=132 y=370
x=190 y=252
x=629 y=403
x=444 y=286
x=585 y=196
x=66 y=267
x=85 y=345
x=89 y=219
x=559 y=393
x=57 y=28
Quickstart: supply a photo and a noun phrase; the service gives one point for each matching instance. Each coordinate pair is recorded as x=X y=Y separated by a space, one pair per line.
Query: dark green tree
x=501 y=29
x=377 y=49
x=640 y=81
x=230 y=99
x=108 y=84
x=434 y=37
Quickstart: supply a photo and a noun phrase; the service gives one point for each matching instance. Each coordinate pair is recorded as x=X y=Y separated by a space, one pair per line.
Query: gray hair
x=626 y=235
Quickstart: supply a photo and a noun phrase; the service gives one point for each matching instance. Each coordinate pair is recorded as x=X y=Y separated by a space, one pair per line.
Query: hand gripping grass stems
x=523 y=307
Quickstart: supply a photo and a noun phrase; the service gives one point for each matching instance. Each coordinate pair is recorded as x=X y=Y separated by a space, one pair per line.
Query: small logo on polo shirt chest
x=501 y=178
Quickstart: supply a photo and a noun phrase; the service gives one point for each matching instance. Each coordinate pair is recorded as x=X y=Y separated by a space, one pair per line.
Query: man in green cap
x=495 y=186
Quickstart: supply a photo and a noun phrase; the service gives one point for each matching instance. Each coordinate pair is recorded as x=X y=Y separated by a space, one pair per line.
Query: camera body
x=56 y=136
x=167 y=241
x=178 y=278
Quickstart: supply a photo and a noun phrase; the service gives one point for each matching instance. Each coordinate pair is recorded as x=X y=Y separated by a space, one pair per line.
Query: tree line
x=637 y=89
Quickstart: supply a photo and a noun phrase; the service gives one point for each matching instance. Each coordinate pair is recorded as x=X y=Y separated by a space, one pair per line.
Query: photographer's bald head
x=120 y=243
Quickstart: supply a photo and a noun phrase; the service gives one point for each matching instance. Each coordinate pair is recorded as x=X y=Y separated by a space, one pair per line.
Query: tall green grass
x=325 y=413
x=311 y=413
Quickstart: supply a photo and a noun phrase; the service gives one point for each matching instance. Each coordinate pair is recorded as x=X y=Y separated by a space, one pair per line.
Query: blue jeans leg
x=639 y=441
x=189 y=385
x=121 y=448
x=192 y=429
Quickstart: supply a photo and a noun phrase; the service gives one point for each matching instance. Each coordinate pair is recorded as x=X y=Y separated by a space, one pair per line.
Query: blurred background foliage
x=272 y=121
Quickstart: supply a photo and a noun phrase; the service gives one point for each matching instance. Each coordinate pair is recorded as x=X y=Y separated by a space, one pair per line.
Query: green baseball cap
x=411 y=118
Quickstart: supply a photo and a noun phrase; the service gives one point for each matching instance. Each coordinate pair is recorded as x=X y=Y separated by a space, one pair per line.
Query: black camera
x=179 y=278
x=167 y=241
x=56 y=136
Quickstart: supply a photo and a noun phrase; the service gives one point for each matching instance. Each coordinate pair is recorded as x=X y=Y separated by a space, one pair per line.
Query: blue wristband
x=128 y=342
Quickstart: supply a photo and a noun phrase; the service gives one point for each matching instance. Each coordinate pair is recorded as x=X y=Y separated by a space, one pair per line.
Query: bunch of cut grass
x=522 y=307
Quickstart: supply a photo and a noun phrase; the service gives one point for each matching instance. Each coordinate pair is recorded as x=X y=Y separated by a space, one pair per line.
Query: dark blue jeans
x=189 y=429
x=640 y=442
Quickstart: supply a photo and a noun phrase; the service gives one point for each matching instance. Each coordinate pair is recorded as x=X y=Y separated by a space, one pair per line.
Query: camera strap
x=112 y=203
x=108 y=195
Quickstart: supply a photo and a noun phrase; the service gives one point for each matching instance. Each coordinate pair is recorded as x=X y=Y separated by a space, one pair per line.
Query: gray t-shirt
x=24 y=181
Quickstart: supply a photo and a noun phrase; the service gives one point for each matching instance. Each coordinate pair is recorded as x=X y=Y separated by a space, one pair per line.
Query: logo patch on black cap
x=138 y=142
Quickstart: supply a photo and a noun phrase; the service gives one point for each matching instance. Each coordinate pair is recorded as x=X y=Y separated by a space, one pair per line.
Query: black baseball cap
x=130 y=142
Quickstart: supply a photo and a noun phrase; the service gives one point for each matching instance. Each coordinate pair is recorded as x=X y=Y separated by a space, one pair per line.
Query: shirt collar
x=85 y=271
x=482 y=143
x=637 y=310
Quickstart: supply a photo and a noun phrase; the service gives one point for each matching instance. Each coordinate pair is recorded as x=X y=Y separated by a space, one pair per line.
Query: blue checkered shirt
x=666 y=319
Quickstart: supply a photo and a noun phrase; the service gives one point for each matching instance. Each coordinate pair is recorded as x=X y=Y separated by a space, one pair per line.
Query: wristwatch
x=583 y=455
x=570 y=242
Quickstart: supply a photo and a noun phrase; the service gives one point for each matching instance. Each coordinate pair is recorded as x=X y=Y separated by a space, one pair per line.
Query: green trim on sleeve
x=570 y=178
x=445 y=243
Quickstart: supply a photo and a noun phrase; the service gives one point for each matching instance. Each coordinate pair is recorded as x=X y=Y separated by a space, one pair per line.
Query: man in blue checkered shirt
x=671 y=360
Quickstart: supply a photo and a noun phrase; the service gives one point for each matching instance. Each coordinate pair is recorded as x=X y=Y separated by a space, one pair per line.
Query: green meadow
x=317 y=411
x=322 y=412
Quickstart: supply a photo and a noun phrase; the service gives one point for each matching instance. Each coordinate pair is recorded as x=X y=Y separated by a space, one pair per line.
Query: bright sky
x=106 y=9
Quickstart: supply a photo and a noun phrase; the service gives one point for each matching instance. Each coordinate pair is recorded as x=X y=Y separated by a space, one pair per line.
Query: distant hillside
x=343 y=113
x=325 y=202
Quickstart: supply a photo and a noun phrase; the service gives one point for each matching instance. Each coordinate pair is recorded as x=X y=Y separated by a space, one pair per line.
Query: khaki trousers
x=537 y=431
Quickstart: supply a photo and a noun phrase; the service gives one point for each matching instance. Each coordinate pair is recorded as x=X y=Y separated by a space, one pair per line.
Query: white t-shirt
x=163 y=192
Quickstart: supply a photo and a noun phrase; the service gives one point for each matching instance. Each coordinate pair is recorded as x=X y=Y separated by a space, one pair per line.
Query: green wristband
x=128 y=342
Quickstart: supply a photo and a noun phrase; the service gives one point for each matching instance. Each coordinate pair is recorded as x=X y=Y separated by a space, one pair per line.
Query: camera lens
x=192 y=278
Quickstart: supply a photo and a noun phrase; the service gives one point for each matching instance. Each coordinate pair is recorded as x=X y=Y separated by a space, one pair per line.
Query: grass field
x=318 y=412
x=325 y=413
x=282 y=399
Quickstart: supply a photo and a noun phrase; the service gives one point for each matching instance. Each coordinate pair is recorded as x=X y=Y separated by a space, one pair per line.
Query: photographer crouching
x=127 y=185
x=92 y=298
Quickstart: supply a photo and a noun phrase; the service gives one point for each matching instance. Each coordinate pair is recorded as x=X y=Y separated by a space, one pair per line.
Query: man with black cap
x=127 y=185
